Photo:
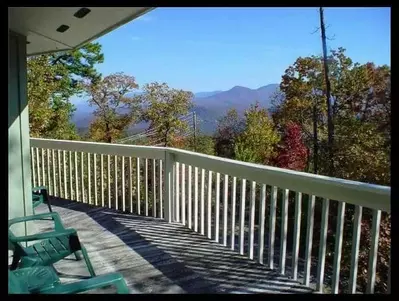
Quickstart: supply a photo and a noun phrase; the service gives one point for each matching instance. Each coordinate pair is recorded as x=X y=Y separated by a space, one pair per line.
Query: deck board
x=159 y=257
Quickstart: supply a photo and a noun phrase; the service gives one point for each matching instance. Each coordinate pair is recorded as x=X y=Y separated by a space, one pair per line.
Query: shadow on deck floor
x=158 y=257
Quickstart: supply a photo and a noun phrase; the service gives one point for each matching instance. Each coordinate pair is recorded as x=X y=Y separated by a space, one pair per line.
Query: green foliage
x=203 y=144
x=52 y=80
x=115 y=110
x=258 y=140
x=80 y=67
x=49 y=113
x=243 y=153
x=164 y=108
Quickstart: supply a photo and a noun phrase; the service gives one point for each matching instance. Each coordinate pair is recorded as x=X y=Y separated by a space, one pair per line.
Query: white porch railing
x=201 y=192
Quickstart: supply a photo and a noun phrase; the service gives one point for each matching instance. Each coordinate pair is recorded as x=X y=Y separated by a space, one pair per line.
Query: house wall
x=19 y=173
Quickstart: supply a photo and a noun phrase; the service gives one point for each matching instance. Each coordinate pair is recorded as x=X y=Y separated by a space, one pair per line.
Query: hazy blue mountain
x=206 y=94
x=210 y=109
x=209 y=106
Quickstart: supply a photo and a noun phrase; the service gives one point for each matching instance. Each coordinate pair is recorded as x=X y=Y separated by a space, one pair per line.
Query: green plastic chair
x=40 y=196
x=44 y=280
x=51 y=248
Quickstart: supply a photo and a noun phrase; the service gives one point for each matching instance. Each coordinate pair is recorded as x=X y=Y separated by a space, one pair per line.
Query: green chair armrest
x=58 y=226
x=41 y=236
x=89 y=284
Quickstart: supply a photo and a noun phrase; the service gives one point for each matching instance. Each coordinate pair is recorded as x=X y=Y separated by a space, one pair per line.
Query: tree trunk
x=108 y=134
x=315 y=138
x=330 y=124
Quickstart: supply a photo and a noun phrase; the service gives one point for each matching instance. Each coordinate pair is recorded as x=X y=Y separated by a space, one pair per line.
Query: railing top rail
x=358 y=193
x=149 y=152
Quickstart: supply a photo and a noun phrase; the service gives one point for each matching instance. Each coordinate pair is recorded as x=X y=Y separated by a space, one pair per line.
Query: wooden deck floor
x=158 y=257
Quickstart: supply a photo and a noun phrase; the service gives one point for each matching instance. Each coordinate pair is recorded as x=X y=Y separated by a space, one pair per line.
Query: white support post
x=168 y=179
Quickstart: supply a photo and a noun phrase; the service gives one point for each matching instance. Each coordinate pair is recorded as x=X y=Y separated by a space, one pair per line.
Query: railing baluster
x=233 y=212
x=196 y=199
x=202 y=201
x=297 y=234
x=76 y=176
x=59 y=173
x=138 y=184
x=82 y=177
x=242 y=215
x=225 y=197
x=177 y=192
x=95 y=179
x=54 y=176
x=43 y=173
x=309 y=239
x=131 y=184
x=123 y=185
x=338 y=247
x=209 y=210
x=48 y=172
x=65 y=177
x=284 y=228
x=32 y=152
x=154 y=187
x=169 y=163
x=70 y=175
x=261 y=238
x=357 y=228
x=372 y=267
x=322 y=247
x=102 y=180
x=88 y=179
x=39 y=181
x=252 y=221
x=160 y=190
x=183 y=194
x=272 y=227
x=109 y=180
x=389 y=274
x=116 y=182
x=217 y=207
x=189 y=197
x=146 y=185
x=173 y=192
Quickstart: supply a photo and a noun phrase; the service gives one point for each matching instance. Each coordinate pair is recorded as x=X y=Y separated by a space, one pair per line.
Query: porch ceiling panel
x=40 y=24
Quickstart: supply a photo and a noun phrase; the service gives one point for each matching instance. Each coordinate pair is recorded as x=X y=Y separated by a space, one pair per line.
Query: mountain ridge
x=209 y=106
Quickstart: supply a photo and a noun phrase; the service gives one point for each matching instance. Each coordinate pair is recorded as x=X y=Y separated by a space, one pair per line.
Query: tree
x=165 y=108
x=115 y=110
x=80 y=67
x=361 y=98
x=330 y=120
x=258 y=140
x=303 y=104
x=292 y=152
x=229 y=128
x=52 y=80
x=49 y=113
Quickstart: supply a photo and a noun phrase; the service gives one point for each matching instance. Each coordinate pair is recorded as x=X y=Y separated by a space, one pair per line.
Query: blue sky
x=207 y=49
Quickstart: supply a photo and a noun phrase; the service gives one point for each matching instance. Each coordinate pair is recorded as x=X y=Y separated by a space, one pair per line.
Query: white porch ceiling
x=39 y=25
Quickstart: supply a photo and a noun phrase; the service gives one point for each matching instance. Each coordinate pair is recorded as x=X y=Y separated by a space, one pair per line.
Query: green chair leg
x=88 y=263
x=77 y=256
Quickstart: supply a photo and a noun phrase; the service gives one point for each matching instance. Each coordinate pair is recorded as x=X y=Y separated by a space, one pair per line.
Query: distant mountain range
x=209 y=106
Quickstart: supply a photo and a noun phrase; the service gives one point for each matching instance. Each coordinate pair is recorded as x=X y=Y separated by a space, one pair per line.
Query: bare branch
x=331 y=38
x=316 y=30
